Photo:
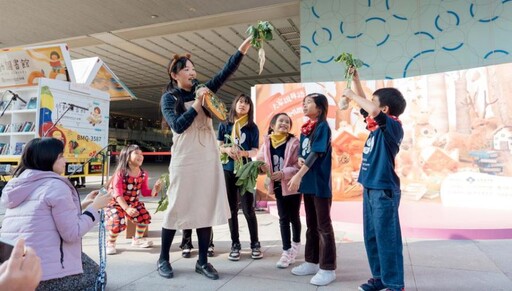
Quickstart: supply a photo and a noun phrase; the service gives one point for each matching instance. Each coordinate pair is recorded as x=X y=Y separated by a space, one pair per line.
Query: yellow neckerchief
x=236 y=132
x=278 y=139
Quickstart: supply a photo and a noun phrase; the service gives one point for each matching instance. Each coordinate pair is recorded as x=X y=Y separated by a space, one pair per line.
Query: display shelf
x=18 y=124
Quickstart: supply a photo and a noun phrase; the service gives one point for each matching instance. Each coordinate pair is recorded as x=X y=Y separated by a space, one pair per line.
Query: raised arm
x=230 y=67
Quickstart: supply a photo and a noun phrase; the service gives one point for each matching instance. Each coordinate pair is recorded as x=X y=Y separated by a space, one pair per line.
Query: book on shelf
x=4 y=148
x=32 y=103
x=18 y=149
x=27 y=126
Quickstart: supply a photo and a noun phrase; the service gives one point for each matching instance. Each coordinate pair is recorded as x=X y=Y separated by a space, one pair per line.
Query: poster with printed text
x=25 y=66
x=76 y=114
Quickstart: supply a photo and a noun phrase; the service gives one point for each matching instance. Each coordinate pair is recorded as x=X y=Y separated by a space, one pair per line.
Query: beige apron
x=197 y=189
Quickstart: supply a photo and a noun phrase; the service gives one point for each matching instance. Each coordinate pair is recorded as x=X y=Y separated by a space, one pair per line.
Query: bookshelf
x=19 y=123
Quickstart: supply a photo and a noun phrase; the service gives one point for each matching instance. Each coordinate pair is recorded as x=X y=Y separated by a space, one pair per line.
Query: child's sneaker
x=373 y=284
x=111 y=249
x=211 y=252
x=256 y=251
x=141 y=243
x=285 y=259
x=305 y=268
x=323 y=277
x=186 y=252
x=234 y=255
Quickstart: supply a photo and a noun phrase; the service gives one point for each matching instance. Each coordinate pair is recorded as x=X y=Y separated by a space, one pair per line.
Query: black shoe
x=164 y=269
x=373 y=284
x=211 y=252
x=208 y=270
x=186 y=252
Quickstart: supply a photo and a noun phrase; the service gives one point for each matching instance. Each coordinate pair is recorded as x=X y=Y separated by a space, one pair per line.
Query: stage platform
x=428 y=220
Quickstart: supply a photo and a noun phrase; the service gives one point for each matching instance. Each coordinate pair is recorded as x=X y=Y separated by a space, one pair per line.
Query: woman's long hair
x=232 y=112
x=123 y=165
x=176 y=64
x=321 y=103
x=40 y=154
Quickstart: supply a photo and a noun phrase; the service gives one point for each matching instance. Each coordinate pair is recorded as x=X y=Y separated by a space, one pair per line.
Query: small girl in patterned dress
x=129 y=180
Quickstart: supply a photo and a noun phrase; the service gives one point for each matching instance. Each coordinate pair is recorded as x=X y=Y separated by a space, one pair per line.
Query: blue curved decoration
x=329 y=32
x=394 y=15
x=370 y=3
x=388 y=78
x=436 y=22
x=314 y=35
x=325 y=62
x=314 y=12
x=313 y=38
x=488 y=20
x=453 y=48
x=495 y=51
x=456 y=16
x=472 y=13
x=385 y=39
x=366 y=65
x=355 y=35
x=412 y=59
x=306 y=48
x=425 y=33
x=305 y=63
x=379 y=18
x=349 y=36
x=505 y=1
x=457 y=19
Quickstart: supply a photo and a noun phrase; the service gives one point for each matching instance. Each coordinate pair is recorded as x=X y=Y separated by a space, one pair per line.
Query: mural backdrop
x=403 y=38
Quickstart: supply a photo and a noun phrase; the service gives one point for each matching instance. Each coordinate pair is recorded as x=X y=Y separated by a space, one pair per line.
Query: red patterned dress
x=129 y=187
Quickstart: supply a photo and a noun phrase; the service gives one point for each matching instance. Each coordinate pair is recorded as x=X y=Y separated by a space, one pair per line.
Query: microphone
x=16 y=96
x=195 y=82
x=71 y=105
x=363 y=113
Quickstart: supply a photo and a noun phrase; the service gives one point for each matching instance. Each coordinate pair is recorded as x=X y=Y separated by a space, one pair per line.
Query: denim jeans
x=382 y=236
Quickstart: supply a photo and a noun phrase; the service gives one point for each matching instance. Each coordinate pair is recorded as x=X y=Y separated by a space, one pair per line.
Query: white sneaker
x=111 y=249
x=305 y=269
x=285 y=261
x=141 y=243
x=323 y=277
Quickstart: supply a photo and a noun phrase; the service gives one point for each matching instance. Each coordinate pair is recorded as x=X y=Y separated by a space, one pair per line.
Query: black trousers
x=320 y=245
x=247 y=202
x=203 y=237
x=288 y=208
x=186 y=240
